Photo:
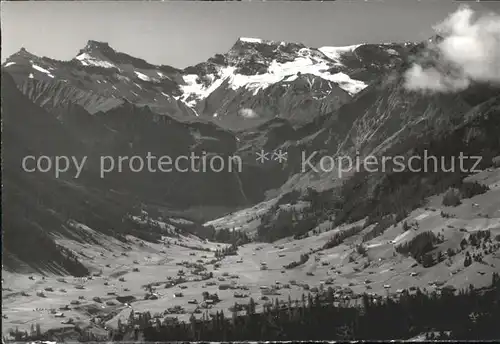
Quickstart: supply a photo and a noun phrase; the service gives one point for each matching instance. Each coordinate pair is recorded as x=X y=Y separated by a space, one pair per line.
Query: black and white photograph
x=222 y=171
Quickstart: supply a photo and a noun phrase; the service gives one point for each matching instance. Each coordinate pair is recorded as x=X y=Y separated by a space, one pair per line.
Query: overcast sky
x=183 y=33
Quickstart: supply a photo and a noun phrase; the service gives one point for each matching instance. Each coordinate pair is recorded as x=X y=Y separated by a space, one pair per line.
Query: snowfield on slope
x=306 y=63
x=43 y=70
x=334 y=53
x=88 y=60
x=141 y=76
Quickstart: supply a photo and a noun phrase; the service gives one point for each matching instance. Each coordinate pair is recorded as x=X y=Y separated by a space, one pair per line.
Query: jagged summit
x=95 y=46
x=101 y=54
x=96 y=53
x=91 y=44
x=21 y=53
x=22 y=58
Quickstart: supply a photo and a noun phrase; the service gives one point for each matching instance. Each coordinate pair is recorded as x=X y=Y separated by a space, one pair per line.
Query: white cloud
x=432 y=79
x=469 y=52
x=248 y=113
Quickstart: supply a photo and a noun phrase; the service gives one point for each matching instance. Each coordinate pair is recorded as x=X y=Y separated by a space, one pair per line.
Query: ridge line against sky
x=183 y=33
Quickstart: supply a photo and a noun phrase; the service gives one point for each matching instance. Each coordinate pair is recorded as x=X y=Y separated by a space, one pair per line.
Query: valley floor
x=124 y=269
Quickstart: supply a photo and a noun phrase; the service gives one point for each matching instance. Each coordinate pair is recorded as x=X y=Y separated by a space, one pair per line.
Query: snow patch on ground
x=192 y=88
x=9 y=64
x=43 y=70
x=335 y=53
x=248 y=113
x=88 y=60
x=142 y=76
x=163 y=76
x=194 y=110
x=250 y=40
x=347 y=84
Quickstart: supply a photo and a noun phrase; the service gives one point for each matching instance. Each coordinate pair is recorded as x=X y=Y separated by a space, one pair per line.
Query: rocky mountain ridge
x=254 y=81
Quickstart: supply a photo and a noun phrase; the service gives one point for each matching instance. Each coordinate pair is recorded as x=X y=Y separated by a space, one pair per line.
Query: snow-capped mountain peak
x=254 y=68
x=250 y=40
x=264 y=76
x=96 y=45
x=21 y=55
x=256 y=64
x=100 y=78
x=96 y=54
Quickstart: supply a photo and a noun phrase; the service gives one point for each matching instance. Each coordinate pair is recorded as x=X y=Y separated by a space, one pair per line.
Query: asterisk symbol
x=262 y=156
x=280 y=156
